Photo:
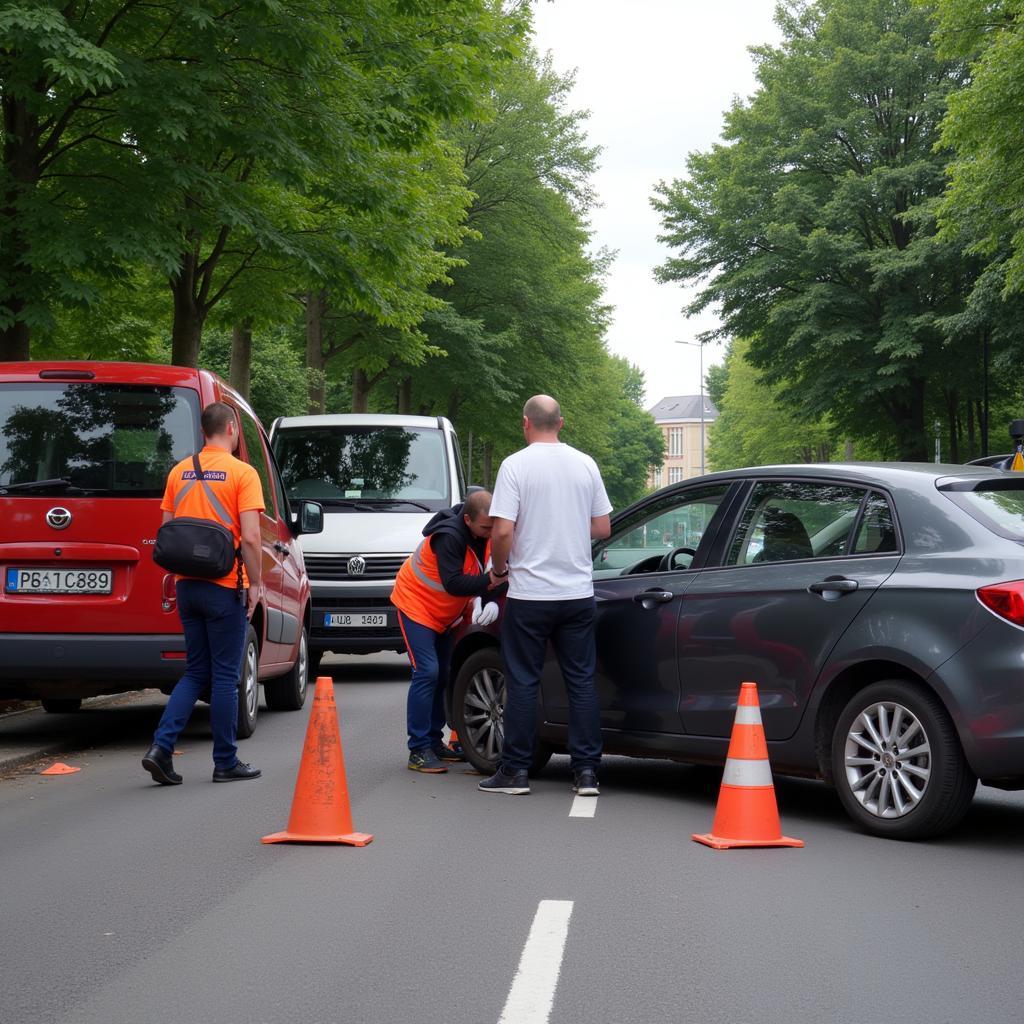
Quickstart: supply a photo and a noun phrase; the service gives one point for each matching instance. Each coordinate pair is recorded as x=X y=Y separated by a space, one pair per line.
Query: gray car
x=878 y=607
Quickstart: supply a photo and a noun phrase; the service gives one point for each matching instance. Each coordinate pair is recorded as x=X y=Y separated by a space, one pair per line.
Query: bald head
x=476 y=513
x=544 y=414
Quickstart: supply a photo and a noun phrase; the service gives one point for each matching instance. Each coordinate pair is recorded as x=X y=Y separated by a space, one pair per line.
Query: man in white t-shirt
x=549 y=502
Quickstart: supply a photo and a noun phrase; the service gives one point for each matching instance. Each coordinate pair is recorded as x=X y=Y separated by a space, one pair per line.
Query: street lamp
x=700 y=345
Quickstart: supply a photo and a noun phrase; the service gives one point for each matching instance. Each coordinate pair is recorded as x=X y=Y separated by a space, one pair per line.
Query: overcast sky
x=656 y=76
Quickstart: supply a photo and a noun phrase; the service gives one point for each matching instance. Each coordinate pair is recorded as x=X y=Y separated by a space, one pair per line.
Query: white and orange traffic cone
x=747 y=814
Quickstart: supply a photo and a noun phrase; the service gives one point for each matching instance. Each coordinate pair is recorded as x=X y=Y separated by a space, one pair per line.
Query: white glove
x=484 y=614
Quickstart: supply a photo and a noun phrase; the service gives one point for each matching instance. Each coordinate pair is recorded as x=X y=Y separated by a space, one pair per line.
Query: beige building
x=678 y=417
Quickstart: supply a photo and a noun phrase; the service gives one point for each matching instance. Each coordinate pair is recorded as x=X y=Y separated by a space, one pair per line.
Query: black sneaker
x=449 y=754
x=240 y=771
x=160 y=765
x=516 y=784
x=585 y=783
x=425 y=760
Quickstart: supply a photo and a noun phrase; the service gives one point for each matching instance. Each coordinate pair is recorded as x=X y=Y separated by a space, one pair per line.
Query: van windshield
x=97 y=439
x=353 y=466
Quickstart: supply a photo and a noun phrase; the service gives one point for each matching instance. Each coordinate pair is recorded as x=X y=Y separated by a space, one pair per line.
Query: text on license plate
x=358 y=619
x=59 y=581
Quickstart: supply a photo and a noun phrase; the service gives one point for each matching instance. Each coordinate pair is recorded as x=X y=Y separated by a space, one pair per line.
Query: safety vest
x=420 y=593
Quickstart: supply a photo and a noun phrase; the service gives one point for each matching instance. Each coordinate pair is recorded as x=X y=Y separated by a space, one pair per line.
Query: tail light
x=169 y=595
x=1005 y=599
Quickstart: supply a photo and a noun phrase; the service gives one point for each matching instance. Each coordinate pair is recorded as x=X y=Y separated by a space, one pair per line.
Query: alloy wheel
x=484 y=708
x=888 y=759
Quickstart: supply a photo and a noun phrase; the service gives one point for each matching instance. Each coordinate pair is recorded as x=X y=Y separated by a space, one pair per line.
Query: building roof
x=683 y=407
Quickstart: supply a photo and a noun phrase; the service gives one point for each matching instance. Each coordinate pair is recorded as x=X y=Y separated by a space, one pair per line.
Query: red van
x=85 y=449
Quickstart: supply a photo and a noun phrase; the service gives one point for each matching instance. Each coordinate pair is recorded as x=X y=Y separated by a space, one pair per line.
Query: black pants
x=526 y=628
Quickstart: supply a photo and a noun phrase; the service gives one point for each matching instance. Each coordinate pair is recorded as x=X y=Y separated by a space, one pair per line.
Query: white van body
x=380 y=478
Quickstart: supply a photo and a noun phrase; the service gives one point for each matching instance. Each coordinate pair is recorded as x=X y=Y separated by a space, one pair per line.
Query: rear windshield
x=364 y=467
x=998 y=505
x=116 y=440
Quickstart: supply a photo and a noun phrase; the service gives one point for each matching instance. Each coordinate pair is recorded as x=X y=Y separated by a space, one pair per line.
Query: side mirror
x=311 y=517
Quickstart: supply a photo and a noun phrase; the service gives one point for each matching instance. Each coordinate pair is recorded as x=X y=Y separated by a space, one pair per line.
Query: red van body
x=85 y=448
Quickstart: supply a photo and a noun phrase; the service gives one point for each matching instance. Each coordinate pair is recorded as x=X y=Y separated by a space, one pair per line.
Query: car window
x=997 y=504
x=641 y=539
x=257 y=457
x=877 y=530
x=786 y=520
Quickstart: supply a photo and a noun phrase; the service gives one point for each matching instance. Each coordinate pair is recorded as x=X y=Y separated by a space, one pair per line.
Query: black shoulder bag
x=201 y=548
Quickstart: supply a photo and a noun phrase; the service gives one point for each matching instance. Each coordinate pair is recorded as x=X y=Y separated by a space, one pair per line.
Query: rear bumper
x=352 y=600
x=51 y=664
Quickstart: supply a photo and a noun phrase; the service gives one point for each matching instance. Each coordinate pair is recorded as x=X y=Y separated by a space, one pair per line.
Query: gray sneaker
x=585 y=783
x=425 y=760
x=515 y=784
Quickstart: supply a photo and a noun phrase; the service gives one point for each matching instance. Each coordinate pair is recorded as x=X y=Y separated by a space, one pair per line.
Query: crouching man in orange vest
x=439 y=583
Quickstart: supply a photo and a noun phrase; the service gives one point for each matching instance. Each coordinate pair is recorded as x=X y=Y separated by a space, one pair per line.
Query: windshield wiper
x=43 y=485
x=400 y=501
x=346 y=502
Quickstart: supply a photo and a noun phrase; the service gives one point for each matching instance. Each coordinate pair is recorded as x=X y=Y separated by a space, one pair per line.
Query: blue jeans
x=215 y=627
x=431 y=656
x=526 y=628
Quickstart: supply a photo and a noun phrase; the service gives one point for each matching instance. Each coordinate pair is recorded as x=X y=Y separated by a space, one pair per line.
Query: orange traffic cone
x=747 y=814
x=320 y=809
x=60 y=768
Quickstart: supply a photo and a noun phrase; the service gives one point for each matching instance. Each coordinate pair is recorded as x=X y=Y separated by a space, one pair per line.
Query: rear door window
x=116 y=440
x=789 y=520
x=876 y=533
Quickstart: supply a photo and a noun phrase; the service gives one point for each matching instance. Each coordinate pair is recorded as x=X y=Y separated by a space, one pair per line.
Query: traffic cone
x=320 y=809
x=747 y=814
x=60 y=768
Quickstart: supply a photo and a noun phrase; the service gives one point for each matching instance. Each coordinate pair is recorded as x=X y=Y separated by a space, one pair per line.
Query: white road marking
x=533 y=988
x=583 y=806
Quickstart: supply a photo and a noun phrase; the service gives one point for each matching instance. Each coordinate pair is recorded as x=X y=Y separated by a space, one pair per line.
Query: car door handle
x=834 y=585
x=281 y=549
x=649 y=598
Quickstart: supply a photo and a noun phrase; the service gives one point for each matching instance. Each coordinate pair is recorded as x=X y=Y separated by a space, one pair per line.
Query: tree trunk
x=848 y=450
x=971 y=450
x=469 y=460
x=405 y=397
x=240 y=371
x=187 y=328
x=488 y=460
x=317 y=390
x=360 y=391
x=21 y=169
x=908 y=424
x=952 y=404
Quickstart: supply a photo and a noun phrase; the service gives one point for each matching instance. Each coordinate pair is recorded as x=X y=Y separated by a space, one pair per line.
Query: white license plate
x=341 y=619
x=59 y=581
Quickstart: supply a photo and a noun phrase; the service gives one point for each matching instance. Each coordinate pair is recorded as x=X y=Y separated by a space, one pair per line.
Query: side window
x=459 y=471
x=257 y=457
x=877 y=530
x=789 y=520
x=640 y=542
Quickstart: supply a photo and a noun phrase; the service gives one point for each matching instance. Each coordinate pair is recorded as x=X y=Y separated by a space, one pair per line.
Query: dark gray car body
x=670 y=665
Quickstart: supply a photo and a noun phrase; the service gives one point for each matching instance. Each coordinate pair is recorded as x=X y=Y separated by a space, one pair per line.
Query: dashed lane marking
x=533 y=988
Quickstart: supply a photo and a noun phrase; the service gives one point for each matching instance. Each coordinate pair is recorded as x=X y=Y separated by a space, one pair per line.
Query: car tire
x=249 y=686
x=883 y=790
x=481 y=680
x=288 y=692
x=62 y=705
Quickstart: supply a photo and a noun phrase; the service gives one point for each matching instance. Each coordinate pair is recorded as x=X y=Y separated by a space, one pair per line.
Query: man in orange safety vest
x=438 y=584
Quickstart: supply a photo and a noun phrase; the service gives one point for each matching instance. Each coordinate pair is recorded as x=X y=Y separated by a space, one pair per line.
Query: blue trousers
x=526 y=628
x=431 y=656
x=215 y=626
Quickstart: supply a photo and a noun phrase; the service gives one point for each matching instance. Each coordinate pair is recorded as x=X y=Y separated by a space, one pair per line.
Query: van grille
x=336 y=567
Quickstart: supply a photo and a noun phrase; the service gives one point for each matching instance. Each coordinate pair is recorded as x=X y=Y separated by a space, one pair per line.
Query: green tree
x=753 y=427
x=813 y=223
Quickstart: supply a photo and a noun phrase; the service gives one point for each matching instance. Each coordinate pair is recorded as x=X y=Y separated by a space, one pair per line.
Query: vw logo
x=356 y=565
x=59 y=518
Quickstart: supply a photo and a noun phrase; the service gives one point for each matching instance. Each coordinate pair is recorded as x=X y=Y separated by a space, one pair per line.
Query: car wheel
x=897 y=762
x=249 y=687
x=288 y=692
x=62 y=705
x=478 y=710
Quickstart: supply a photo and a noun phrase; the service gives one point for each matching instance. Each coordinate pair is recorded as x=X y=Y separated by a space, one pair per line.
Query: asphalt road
x=121 y=901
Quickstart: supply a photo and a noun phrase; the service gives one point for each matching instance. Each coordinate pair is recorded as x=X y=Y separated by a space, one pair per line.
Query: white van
x=379 y=479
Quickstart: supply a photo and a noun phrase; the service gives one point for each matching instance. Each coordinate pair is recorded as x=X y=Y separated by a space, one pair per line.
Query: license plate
x=342 y=619
x=59 y=581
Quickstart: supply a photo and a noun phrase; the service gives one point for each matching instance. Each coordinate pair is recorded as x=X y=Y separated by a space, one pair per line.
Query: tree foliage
x=813 y=225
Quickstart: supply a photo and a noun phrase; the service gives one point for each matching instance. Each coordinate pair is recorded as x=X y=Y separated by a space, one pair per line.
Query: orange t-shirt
x=234 y=483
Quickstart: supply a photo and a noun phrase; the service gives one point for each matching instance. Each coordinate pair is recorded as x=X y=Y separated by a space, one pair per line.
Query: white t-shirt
x=551 y=492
